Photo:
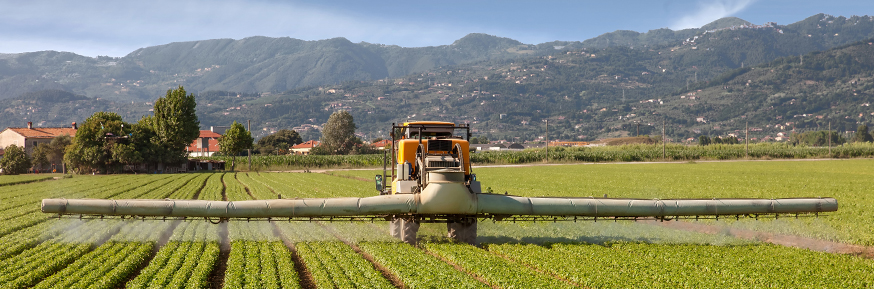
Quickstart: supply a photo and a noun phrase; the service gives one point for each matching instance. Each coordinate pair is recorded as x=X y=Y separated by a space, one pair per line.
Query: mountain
x=504 y=88
x=263 y=64
x=254 y=64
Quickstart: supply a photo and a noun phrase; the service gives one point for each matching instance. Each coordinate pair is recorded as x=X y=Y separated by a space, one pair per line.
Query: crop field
x=623 y=153
x=38 y=251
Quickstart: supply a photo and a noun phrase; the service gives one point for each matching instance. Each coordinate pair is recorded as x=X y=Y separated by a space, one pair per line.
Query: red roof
x=213 y=146
x=382 y=143
x=212 y=139
x=209 y=133
x=307 y=145
x=44 y=132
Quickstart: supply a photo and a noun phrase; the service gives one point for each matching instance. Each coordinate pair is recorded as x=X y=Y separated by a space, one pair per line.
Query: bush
x=15 y=161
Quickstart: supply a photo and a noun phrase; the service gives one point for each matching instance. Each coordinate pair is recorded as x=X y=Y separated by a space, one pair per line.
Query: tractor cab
x=422 y=148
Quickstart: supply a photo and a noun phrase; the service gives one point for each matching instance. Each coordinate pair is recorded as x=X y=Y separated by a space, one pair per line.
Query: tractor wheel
x=394 y=228
x=409 y=229
x=462 y=232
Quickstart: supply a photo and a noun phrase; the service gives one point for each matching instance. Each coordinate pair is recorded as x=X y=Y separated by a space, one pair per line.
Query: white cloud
x=117 y=27
x=709 y=12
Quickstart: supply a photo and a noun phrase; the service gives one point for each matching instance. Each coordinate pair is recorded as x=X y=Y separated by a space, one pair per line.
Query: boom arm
x=487 y=205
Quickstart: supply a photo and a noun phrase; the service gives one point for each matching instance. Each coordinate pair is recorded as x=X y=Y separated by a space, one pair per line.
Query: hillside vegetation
x=505 y=89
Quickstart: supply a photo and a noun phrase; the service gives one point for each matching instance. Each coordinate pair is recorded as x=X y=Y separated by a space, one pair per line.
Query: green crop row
x=336 y=265
x=234 y=190
x=34 y=264
x=184 y=262
x=634 y=265
x=256 y=187
x=258 y=258
x=417 y=269
x=192 y=188
x=495 y=270
x=213 y=188
x=110 y=264
x=6 y=180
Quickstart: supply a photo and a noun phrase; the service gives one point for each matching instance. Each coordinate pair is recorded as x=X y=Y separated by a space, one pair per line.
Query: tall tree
x=338 y=135
x=236 y=139
x=862 y=135
x=175 y=124
x=15 y=161
x=90 y=149
x=279 y=142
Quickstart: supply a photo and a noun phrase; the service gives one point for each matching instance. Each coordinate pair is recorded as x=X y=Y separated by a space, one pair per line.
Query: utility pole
x=664 y=140
x=638 y=128
x=747 y=138
x=547 y=140
x=829 y=138
x=249 y=154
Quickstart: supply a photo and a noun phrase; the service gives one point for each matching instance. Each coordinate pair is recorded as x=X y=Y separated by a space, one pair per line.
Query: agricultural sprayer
x=431 y=181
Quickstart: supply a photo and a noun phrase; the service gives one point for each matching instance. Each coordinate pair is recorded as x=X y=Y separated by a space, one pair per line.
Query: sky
x=116 y=28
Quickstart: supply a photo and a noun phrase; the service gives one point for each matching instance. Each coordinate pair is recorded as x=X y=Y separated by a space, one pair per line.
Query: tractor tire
x=394 y=228
x=462 y=232
x=409 y=229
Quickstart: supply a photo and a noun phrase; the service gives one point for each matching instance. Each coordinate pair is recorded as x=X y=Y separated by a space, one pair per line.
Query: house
x=487 y=147
x=304 y=148
x=383 y=144
x=29 y=137
x=205 y=145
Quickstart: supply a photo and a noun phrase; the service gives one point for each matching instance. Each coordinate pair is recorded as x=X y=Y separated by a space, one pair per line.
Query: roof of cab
x=429 y=123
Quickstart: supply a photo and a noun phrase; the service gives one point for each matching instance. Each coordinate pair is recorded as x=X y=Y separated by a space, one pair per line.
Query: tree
x=15 y=161
x=126 y=154
x=175 y=124
x=816 y=138
x=90 y=149
x=703 y=140
x=236 y=139
x=279 y=142
x=338 y=136
x=40 y=155
x=862 y=135
x=51 y=153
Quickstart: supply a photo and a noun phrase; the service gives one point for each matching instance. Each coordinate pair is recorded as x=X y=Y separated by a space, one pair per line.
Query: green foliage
x=817 y=138
x=15 y=161
x=640 y=265
x=338 y=135
x=479 y=140
x=703 y=140
x=862 y=135
x=235 y=139
x=91 y=149
x=496 y=270
x=175 y=124
x=278 y=143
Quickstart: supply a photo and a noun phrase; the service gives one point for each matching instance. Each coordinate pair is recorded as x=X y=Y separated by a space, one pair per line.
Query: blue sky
x=116 y=28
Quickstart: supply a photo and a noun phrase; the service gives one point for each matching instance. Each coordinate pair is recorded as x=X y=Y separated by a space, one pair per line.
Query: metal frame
x=456 y=218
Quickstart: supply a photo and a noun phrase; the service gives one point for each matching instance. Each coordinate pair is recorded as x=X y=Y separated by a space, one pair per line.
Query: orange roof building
x=383 y=144
x=29 y=137
x=304 y=148
x=205 y=145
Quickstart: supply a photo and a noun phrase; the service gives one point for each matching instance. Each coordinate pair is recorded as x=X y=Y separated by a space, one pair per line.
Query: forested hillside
x=504 y=88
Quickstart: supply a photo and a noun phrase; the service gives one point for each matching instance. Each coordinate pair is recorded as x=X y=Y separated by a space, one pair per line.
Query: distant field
x=36 y=251
x=600 y=154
